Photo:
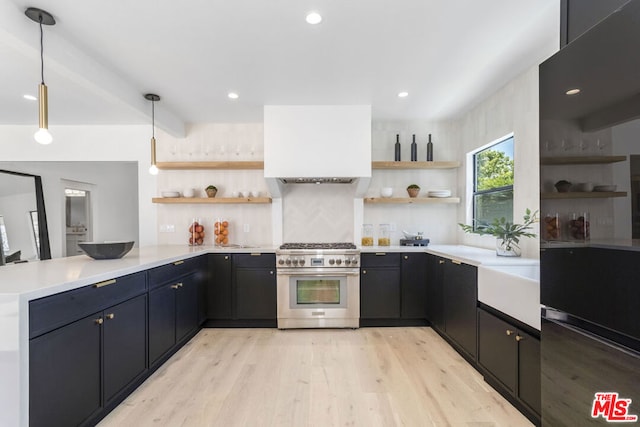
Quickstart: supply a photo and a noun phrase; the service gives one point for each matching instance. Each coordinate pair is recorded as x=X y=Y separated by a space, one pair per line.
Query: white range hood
x=317 y=144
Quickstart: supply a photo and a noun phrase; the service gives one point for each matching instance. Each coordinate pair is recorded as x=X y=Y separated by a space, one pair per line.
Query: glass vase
x=507 y=247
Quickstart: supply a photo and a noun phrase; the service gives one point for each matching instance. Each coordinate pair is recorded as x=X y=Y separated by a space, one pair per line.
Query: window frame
x=474 y=176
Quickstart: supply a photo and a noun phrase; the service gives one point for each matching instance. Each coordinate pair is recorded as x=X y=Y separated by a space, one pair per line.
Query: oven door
x=310 y=298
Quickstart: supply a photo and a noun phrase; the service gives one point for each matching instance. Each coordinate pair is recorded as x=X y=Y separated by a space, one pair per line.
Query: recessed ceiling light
x=574 y=91
x=232 y=95
x=30 y=97
x=403 y=94
x=314 y=18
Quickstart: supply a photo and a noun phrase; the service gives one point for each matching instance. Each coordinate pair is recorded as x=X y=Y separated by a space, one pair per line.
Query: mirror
x=23 y=230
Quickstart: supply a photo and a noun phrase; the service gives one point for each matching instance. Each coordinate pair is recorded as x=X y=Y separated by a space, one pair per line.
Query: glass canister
x=579 y=226
x=383 y=235
x=551 y=229
x=367 y=234
x=221 y=232
x=196 y=232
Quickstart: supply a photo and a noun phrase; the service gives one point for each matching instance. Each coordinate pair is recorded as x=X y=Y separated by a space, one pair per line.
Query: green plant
x=211 y=187
x=413 y=186
x=509 y=232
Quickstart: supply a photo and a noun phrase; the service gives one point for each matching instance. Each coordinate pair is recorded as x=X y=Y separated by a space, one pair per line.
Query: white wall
x=93 y=143
x=514 y=108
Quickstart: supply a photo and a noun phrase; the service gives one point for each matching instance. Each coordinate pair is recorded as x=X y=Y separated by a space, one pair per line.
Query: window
x=493 y=182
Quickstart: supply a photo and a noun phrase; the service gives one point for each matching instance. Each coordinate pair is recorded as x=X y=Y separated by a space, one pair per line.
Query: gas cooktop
x=339 y=245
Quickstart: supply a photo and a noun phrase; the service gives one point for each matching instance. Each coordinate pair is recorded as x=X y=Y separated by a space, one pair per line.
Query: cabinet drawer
x=254 y=260
x=170 y=272
x=48 y=313
x=380 y=259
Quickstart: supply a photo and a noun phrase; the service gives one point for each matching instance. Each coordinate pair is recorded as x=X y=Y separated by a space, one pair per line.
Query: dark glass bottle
x=414 y=149
x=397 y=157
x=429 y=150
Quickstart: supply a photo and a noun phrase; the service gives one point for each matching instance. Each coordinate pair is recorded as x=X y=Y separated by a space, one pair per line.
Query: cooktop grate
x=338 y=245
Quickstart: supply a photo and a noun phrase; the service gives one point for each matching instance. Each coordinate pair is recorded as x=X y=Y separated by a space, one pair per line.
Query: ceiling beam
x=65 y=59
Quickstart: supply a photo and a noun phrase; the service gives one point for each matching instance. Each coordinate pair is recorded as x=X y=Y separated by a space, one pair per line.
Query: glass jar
x=221 y=231
x=579 y=227
x=551 y=229
x=367 y=234
x=196 y=232
x=383 y=235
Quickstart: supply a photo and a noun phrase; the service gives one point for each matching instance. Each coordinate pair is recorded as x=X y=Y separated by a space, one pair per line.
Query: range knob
x=295 y=261
x=281 y=261
x=354 y=261
x=288 y=261
x=338 y=261
x=332 y=261
x=302 y=261
x=347 y=261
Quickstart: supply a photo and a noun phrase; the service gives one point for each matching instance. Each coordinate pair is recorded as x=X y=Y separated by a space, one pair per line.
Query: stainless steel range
x=318 y=285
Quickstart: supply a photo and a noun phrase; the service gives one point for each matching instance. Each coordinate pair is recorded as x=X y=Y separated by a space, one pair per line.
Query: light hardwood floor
x=318 y=377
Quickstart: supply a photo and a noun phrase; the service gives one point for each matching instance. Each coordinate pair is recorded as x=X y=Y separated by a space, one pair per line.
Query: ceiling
x=99 y=61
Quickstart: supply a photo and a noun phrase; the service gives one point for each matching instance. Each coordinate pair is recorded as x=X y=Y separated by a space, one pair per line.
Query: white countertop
x=41 y=278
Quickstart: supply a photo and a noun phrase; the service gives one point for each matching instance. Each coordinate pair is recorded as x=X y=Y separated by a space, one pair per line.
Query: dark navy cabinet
x=78 y=369
x=254 y=280
x=219 y=289
x=435 y=291
x=460 y=301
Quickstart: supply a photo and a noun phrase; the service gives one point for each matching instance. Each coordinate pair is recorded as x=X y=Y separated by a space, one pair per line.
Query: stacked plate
x=439 y=193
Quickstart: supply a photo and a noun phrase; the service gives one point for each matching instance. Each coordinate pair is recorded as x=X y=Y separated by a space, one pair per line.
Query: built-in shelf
x=210 y=200
x=412 y=200
x=584 y=195
x=581 y=160
x=210 y=165
x=414 y=165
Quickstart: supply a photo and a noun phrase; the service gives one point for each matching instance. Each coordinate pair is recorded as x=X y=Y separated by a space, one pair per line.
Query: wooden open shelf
x=412 y=200
x=584 y=195
x=210 y=200
x=210 y=165
x=581 y=160
x=414 y=165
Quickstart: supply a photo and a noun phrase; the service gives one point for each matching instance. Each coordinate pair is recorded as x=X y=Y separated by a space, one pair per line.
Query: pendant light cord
x=41 y=50
x=153 y=118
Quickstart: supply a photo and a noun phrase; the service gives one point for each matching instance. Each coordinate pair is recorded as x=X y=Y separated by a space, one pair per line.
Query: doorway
x=78 y=216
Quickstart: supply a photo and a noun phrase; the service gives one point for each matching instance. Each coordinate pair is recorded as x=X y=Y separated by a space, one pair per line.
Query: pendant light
x=42 y=135
x=153 y=170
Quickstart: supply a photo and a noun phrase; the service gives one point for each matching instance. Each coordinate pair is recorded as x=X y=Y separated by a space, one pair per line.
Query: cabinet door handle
x=110 y=316
x=226 y=257
x=406 y=257
x=98 y=321
x=178 y=262
x=509 y=332
x=441 y=261
x=364 y=271
x=255 y=254
x=176 y=286
x=381 y=253
x=271 y=272
x=105 y=283
x=519 y=338
x=456 y=262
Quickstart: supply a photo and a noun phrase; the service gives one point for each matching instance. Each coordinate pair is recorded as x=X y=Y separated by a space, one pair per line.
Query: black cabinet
x=393 y=289
x=509 y=357
x=460 y=301
x=380 y=286
x=78 y=369
x=173 y=308
x=435 y=291
x=219 y=289
x=64 y=374
x=254 y=281
x=413 y=274
x=578 y=16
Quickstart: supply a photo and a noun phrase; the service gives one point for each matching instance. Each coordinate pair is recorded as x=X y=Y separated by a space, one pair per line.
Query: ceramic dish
x=170 y=194
x=605 y=188
x=439 y=193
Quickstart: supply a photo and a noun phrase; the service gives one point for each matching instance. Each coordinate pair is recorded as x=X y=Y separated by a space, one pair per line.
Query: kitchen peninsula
x=24 y=283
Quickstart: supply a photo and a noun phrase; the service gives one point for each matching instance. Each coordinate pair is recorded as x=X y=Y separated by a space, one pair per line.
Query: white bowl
x=255 y=193
x=170 y=194
x=582 y=187
x=605 y=188
x=235 y=194
x=189 y=192
x=245 y=193
x=386 y=192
